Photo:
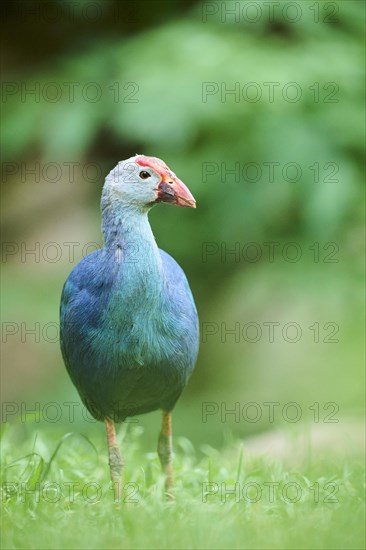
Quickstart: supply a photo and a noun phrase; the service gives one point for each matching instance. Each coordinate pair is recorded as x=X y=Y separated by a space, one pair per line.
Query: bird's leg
x=165 y=451
x=115 y=459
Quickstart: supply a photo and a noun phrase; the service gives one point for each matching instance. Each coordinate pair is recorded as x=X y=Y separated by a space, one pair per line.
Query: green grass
x=326 y=512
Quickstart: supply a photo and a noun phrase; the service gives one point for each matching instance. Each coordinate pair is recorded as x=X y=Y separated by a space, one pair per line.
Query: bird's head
x=144 y=181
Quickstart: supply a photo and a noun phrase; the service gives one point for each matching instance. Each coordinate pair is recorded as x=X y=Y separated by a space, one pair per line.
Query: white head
x=142 y=181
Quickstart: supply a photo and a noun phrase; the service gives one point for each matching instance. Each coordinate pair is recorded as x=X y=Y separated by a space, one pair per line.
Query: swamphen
x=129 y=325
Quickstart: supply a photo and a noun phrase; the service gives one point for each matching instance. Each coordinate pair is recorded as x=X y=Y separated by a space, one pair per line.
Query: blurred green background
x=112 y=79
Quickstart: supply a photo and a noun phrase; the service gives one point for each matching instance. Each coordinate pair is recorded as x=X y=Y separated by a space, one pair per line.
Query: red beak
x=172 y=190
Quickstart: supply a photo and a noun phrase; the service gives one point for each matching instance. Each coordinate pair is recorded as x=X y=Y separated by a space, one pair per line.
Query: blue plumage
x=129 y=326
x=127 y=359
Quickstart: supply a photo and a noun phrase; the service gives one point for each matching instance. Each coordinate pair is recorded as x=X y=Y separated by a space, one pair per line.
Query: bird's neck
x=124 y=225
x=130 y=242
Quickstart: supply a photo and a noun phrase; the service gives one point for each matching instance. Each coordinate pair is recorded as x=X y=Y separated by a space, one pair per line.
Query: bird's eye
x=144 y=175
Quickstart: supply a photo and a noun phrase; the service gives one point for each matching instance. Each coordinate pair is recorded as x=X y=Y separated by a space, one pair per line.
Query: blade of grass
x=59 y=445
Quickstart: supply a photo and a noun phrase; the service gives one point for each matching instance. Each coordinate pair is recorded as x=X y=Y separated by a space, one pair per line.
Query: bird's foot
x=165 y=452
x=116 y=467
x=115 y=460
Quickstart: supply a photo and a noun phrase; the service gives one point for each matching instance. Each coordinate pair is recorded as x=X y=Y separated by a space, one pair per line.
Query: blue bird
x=129 y=325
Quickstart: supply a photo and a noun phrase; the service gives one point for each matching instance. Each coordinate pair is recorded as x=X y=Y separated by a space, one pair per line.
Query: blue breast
x=129 y=337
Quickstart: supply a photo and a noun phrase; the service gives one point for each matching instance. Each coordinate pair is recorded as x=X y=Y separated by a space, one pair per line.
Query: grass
x=56 y=494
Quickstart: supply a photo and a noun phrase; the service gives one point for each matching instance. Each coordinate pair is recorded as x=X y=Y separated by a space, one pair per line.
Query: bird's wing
x=178 y=280
x=184 y=313
x=84 y=296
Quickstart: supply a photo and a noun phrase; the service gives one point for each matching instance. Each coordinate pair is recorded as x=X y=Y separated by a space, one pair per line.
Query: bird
x=129 y=329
